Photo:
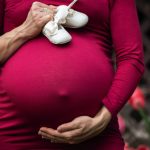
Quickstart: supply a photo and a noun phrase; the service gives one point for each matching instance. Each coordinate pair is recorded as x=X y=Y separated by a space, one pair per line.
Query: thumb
x=67 y=127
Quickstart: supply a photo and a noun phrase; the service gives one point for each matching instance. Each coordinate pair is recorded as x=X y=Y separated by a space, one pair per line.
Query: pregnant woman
x=67 y=97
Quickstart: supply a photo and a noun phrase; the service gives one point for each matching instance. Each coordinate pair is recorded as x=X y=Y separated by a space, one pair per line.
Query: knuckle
x=33 y=8
x=34 y=3
x=34 y=15
x=51 y=6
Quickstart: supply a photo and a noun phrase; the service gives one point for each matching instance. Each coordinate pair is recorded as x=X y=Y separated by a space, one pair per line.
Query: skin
x=81 y=128
x=30 y=28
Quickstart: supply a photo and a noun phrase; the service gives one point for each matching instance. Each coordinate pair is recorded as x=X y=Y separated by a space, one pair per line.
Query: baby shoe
x=56 y=33
x=65 y=16
x=70 y=18
x=75 y=19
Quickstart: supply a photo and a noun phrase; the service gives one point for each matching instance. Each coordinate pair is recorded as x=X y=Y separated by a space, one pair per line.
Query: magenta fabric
x=43 y=84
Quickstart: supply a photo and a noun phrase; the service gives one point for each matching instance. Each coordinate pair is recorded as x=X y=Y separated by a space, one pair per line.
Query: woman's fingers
x=68 y=126
x=37 y=17
x=67 y=137
x=44 y=19
x=39 y=4
x=42 y=11
x=52 y=135
x=42 y=5
x=52 y=6
x=41 y=15
x=76 y=131
x=80 y=129
x=70 y=137
x=52 y=138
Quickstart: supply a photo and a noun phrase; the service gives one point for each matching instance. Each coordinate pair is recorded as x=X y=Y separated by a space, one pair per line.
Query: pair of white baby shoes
x=67 y=17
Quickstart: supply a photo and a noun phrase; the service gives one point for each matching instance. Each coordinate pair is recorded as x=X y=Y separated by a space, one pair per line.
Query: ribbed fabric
x=43 y=84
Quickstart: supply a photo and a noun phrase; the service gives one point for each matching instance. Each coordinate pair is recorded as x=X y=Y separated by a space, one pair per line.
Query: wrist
x=103 y=114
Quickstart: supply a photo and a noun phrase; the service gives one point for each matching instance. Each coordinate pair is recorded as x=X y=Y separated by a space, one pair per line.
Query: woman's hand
x=80 y=129
x=38 y=16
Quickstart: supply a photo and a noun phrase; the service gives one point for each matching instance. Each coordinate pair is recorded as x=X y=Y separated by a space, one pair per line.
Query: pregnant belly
x=51 y=84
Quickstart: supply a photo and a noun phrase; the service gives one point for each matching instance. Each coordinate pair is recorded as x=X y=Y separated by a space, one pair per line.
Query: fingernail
x=39 y=132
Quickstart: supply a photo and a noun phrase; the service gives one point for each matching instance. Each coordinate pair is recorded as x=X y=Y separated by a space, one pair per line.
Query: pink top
x=46 y=85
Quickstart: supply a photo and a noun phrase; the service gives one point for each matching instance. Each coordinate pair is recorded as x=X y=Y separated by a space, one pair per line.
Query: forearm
x=11 y=41
x=32 y=26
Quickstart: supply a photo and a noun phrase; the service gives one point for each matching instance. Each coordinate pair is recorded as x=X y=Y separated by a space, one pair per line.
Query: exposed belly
x=52 y=84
